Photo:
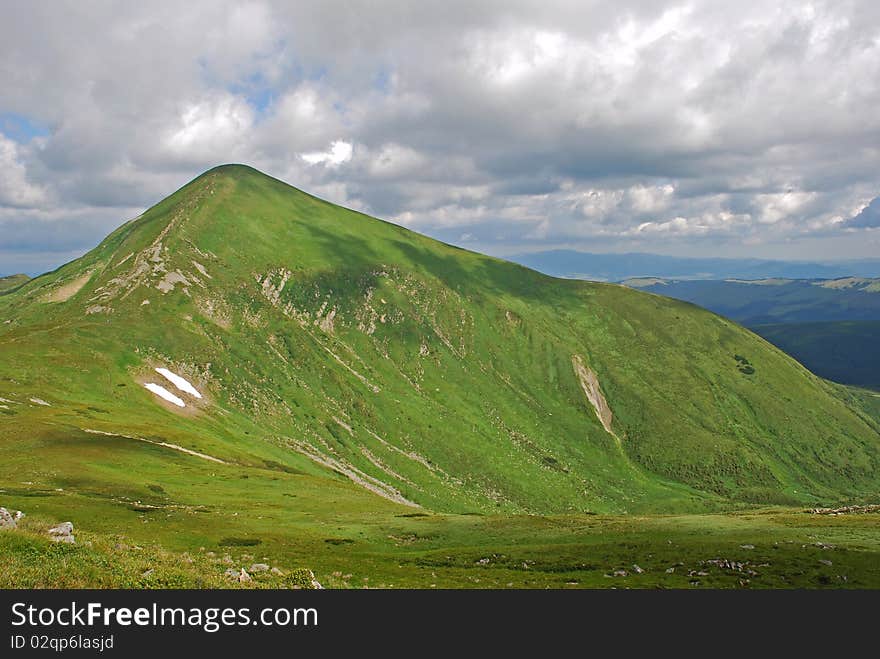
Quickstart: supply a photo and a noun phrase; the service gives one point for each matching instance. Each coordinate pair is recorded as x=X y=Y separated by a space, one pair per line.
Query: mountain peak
x=233 y=169
x=239 y=172
x=333 y=340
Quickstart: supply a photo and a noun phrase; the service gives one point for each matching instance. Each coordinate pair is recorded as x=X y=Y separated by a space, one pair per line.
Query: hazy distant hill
x=846 y=351
x=617 y=267
x=12 y=281
x=766 y=301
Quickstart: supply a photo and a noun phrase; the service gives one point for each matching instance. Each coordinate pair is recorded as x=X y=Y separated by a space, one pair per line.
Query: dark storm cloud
x=710 y=126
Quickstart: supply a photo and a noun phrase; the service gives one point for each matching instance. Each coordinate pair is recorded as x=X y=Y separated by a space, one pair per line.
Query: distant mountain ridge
x=766 y=301
x=574 y=264
x=11 y=282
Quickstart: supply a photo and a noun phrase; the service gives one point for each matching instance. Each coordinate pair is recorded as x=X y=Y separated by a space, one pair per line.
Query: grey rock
x=65 y=528
x=63 y=533
x=315 y=583
x=259 y=567
x=241 y=576
x=7 y=520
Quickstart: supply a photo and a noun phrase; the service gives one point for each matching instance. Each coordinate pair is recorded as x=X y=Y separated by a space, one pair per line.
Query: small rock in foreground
x=63 y=533
x=315 y=583
x=241 y=576
x=7 y=520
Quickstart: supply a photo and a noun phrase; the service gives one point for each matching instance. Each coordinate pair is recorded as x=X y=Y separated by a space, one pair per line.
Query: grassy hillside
x=846 y=352
x=759 y=549
x=367 y=391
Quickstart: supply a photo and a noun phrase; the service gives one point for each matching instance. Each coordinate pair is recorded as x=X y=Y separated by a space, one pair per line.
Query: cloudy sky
x=702 y=128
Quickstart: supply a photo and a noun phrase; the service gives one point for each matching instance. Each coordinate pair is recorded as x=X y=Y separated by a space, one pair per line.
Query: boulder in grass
x=241 y=576
x=7 y=519
x=315 y=583
x=63 y=533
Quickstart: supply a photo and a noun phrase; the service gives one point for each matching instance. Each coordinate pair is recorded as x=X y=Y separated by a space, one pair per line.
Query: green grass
x=442 y=377
x=758 y=549
x=203 y=523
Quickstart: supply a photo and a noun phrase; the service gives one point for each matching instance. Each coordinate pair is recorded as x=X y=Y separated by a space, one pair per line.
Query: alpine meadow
x=247 y=386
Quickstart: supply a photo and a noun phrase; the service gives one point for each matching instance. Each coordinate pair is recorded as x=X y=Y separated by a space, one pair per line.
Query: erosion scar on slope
x=590 y=384
x=68 y=290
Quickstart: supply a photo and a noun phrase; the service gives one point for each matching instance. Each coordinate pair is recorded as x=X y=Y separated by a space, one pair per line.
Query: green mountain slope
x=829 y=325
x=336 y=347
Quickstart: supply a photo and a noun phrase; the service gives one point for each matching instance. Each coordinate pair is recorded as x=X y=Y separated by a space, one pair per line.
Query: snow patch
x=40 y=401
x=179 y=382
x=162 y=392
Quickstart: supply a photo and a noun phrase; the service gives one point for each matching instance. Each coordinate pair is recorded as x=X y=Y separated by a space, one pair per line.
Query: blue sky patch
x=20 y=128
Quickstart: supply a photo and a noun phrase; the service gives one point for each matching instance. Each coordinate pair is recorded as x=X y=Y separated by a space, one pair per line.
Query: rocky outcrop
x=846 y=510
